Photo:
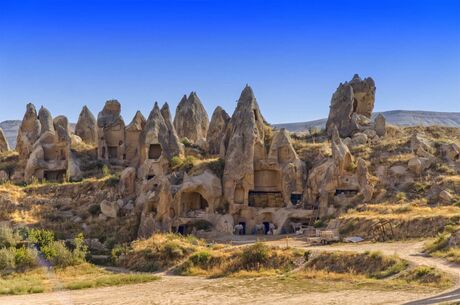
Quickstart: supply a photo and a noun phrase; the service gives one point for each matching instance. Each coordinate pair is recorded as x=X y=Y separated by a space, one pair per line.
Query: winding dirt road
x=197 y=290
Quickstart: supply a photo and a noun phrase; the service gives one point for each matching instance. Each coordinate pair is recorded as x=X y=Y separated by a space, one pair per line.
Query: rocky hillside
x=395 y=117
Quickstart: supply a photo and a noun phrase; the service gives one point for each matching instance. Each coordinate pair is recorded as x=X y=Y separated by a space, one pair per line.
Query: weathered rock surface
x=191 y=120
x=351 y=106
x=132 y=139
x=242 y=143
x=109 y=208
x=46 y=120
x=380 y=125
x=86 y=127
x=217 y=126
x=159 y=144
x=4 y=146
x=111 y=133
x=28 y=132
x=127 y=182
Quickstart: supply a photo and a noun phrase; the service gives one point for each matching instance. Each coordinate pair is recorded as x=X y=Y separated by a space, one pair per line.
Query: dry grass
x=398 y=211
x=77 y=277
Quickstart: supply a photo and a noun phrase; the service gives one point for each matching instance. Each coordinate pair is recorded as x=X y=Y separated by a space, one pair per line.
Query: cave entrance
x=113 y=152
x=293 y=224
x=193 y=204
x=54 y=175
x=155 y=151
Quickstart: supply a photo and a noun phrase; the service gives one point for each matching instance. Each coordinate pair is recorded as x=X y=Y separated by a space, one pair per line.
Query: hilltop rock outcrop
x=86 y=127
x=217 y=126
x=111 y=132
x=351 y=106
x=242 y=143
x=191 y=120
x=4 y=146
x=28 y=132
x=46 y=120
x=132 y=138
x=158 y=144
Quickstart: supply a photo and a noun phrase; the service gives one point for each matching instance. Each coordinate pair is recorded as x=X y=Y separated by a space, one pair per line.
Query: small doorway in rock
x=113 y=152
x=181 y=229
x=266 y=227
x=243 y=230
x=155 y=151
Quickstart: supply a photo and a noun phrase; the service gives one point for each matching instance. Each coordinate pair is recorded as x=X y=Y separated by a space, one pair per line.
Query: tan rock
x=109 y=208
x=445 y=196
x=133 y=139
x=359 y=138
x=111 y=133
x=380 y=125
x=128 y=181
x=351 y=106
x=28 y=133
x=4 y=146
x=242 y=145
x=46 y=120
x=191 y=120
x=415 y=165
x=217 y=126
x=86 y=127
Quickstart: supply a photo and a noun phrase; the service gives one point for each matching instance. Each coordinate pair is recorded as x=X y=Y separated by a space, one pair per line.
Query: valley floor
x=197 y=290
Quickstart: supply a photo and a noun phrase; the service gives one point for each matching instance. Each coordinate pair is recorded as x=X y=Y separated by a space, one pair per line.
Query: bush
x=441 y=242
x=8 y=238
x=424 y=275
x=7 y=260
x=41 y=238
x=25 y=258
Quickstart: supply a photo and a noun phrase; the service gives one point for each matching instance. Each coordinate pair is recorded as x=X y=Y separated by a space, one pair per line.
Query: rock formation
x=243 y=144
x=157 y=145
x=337 y=179
x=46 y=121
x=351 y=106
x=28 y=133
x=132 y=139
x=4 y=146
x=217 y=126
x=191 y=120
x=86 y=127
x=111 y=133
x=380 y=125
x=51 y=158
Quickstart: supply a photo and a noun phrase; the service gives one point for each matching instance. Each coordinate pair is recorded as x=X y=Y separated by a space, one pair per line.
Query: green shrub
x=25 y=258
x=41 y=237
x=8 y=238
x=441 y=242
x=7 y=260
x=255 y=256
x=105 y=171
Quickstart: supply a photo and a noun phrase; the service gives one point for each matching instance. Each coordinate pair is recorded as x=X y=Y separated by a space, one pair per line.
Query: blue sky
x=65 y=54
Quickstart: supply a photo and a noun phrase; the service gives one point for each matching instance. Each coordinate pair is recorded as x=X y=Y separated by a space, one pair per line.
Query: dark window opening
x=346 y=192
x=54 y=176
x=150 y=177
x=296 y=198
x=155 y=151
x=113 y=152
x=243 y=230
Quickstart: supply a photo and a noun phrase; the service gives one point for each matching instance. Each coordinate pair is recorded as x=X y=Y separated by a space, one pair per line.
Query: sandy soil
x=197 y=290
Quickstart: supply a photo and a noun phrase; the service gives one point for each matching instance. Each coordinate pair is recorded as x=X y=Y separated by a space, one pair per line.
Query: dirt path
x=197 y=290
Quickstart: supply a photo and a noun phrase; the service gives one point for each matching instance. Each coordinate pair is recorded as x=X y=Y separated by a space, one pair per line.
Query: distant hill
x=395 y=117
